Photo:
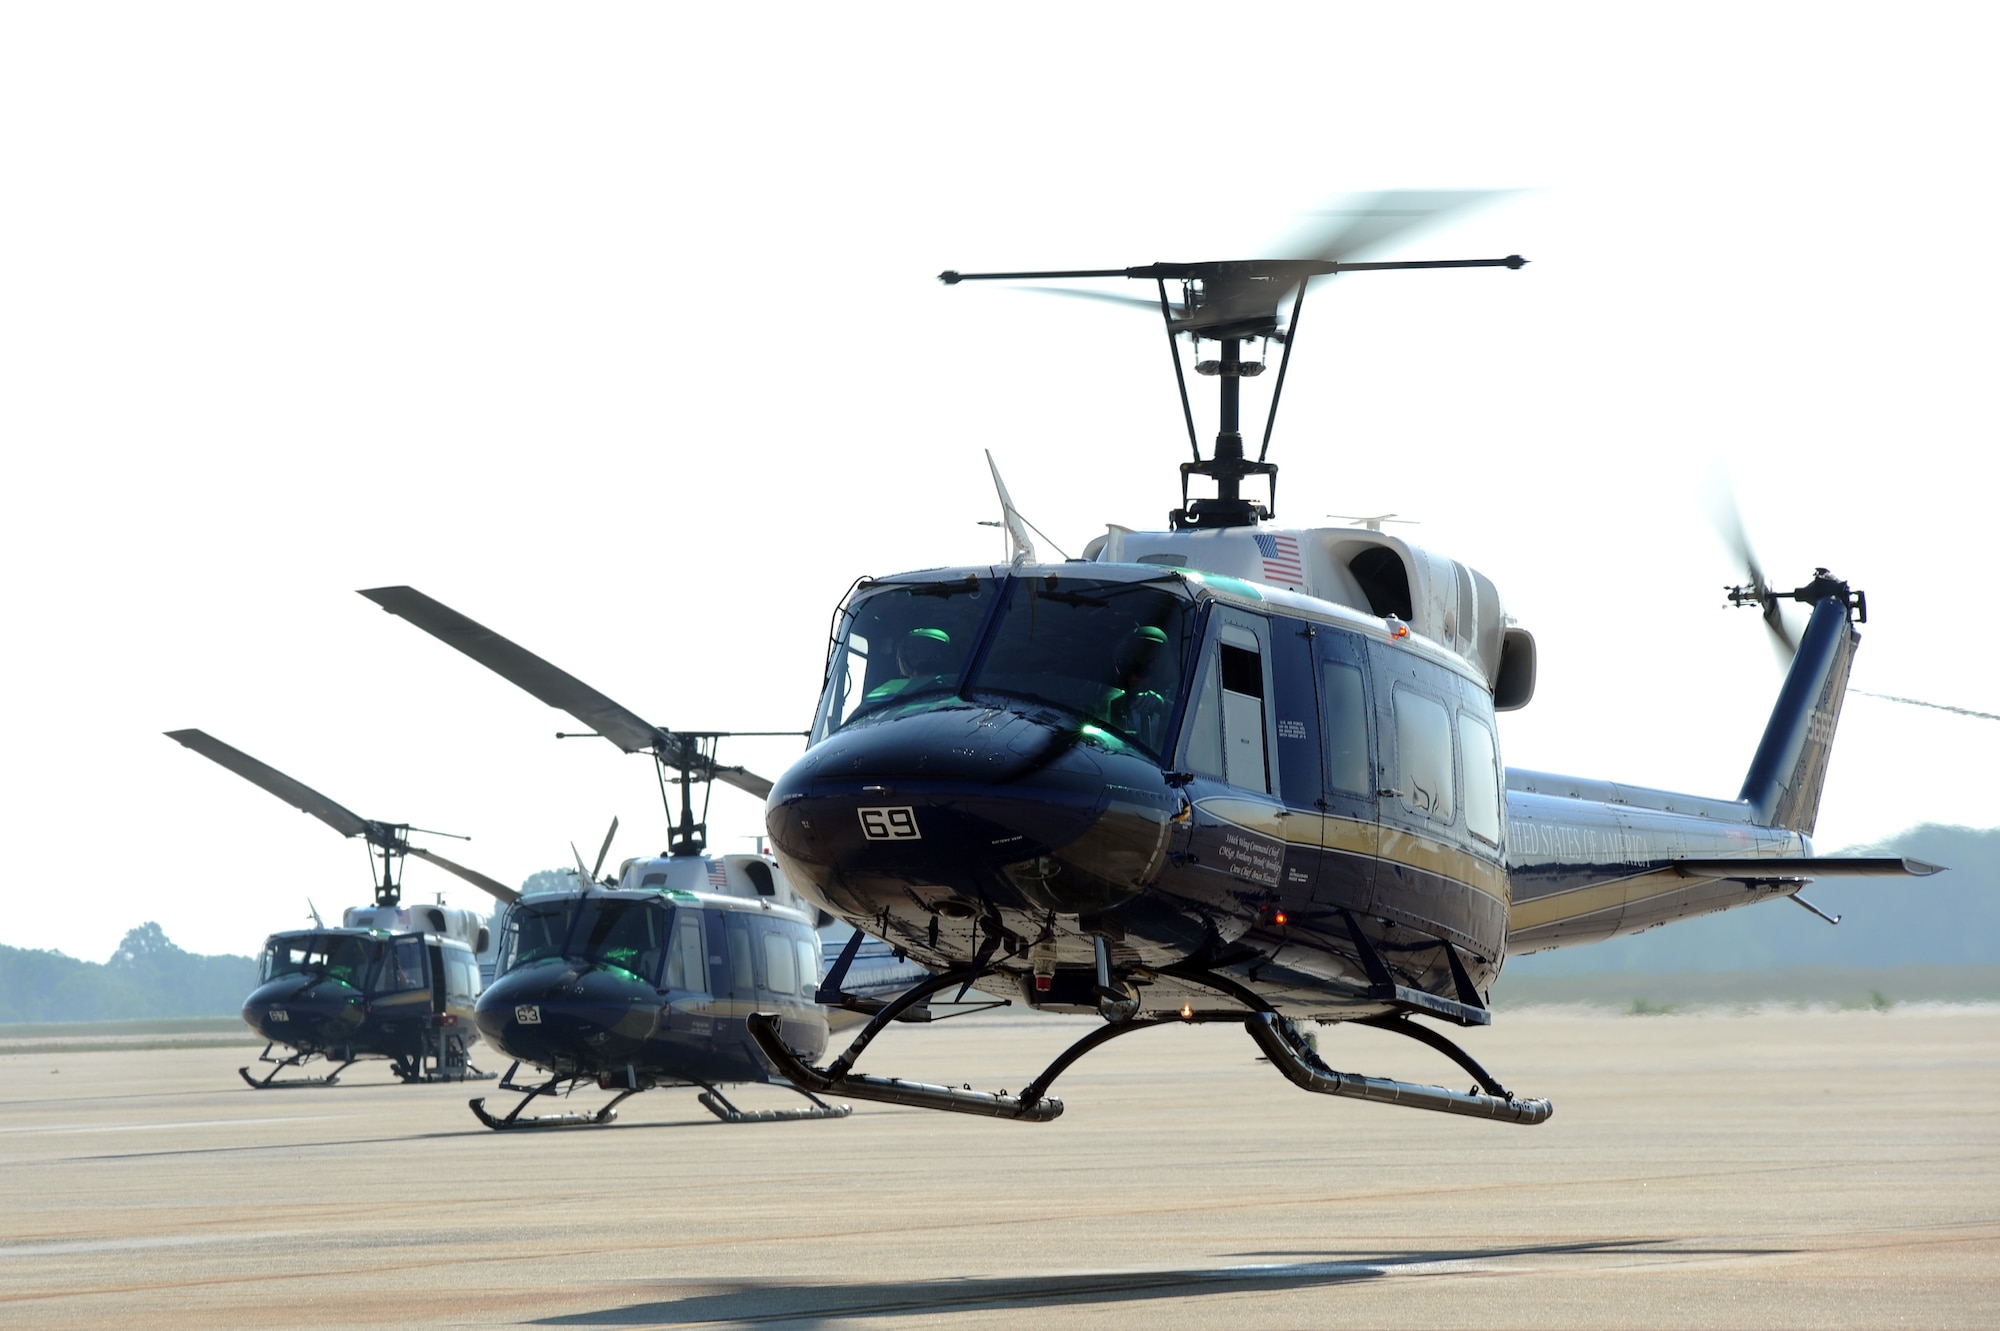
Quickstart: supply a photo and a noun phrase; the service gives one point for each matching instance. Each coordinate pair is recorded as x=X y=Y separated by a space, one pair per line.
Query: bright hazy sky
x=616 y=329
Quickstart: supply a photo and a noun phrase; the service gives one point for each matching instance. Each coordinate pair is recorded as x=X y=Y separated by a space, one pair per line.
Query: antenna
x=1021 y=549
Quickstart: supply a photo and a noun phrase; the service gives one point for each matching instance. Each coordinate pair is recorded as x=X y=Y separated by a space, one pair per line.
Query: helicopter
x=646 y=979
x=1232 y=771
x=392 y=981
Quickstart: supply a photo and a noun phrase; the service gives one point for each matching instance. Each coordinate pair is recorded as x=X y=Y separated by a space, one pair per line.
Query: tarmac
x=1778 y=1168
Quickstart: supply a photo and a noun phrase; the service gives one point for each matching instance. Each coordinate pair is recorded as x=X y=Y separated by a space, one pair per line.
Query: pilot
x=921 y=656
x=1133 y=705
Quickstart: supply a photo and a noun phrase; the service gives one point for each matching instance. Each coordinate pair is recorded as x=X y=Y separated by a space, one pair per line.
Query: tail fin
x=1790 y=767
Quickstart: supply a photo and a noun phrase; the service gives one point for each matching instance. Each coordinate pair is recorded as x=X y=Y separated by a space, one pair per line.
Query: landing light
x=1187 y=1012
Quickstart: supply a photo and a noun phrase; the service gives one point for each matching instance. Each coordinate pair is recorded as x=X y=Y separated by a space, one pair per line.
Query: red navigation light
x=1043 y=983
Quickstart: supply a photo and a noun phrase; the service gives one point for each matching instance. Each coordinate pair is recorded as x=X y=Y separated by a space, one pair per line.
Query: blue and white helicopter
x=392 y=980
x=1233 y=771
x=648 y=978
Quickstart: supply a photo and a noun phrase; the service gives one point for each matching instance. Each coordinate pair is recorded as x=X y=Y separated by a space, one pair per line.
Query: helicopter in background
x=1238 y=772
x=392 y=981
x=647 y=979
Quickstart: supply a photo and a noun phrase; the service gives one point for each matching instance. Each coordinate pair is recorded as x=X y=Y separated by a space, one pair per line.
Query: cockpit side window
x=1346 y=729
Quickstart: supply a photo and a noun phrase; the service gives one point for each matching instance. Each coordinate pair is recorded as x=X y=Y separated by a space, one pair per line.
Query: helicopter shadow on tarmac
x=813 y=1304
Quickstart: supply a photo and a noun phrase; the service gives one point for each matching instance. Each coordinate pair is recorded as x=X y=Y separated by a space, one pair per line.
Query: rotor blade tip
x=949 y=277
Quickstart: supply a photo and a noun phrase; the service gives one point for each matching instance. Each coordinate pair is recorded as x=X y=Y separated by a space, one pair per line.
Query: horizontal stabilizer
x=1801 y=869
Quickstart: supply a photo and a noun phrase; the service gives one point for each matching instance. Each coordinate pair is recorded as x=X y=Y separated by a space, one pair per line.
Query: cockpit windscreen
x=620 y=932
x=1107 y=652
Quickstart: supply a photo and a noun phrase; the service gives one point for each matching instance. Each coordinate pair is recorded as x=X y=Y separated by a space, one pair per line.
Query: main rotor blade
x=295 y=793
x=493 y=887
x=522 y=668
x=1348 y=227
x=558 y=688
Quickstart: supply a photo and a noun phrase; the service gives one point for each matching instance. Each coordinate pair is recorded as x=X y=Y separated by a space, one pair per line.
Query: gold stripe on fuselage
x=1330 y=832
x=1576 y=904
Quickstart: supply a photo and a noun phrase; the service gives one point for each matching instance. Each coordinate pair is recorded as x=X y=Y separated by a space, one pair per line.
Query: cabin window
x=809 y=963
x=461 y=976
x=1482 y=779
x=742 y=962
x=1423 y=755
x=781 y=971
x=684 y=964
x=1346 y=704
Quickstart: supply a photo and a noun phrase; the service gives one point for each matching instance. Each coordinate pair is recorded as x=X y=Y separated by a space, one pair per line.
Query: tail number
x=890 y=824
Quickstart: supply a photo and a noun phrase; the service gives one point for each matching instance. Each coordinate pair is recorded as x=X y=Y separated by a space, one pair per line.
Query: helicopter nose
x=305 y=1013
x=561 y=1014
x=1028 y=809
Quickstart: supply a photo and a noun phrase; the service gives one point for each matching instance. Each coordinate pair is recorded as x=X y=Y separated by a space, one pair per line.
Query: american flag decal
x=1281 y=558
x=718 y=874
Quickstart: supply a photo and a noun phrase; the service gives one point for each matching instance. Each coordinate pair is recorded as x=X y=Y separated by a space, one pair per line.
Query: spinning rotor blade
x=295 y=793
x=1728 y=522
x=493 y=887
x=558 y=688
x=1244 y=299
x=1345 y=228
x=1149 y=304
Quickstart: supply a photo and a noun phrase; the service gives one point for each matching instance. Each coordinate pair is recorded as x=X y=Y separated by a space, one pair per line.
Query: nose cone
x=568 y=1015
x=305 y=1013
x=1022 y=807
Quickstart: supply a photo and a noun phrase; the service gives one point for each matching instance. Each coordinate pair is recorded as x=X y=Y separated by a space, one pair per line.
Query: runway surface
x=1778 y=1169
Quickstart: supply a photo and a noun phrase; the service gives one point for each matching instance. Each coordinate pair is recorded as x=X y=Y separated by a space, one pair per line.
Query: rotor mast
x=1229 y=303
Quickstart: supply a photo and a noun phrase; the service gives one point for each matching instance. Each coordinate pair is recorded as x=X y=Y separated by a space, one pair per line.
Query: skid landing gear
x=1276 y=1036
x=268 y=1082
x=572 y=1120
x=449 y=1061
x=711 y=1097
x=716 y=1103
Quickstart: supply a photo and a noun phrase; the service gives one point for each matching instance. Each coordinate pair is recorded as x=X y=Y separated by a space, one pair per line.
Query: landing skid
x=1276 y=1036
x=513 y=1119
x=716 y=1103
x=268 y=1082
x=711 y=1097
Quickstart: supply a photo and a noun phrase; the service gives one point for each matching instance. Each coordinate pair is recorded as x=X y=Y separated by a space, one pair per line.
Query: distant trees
x=146 y=977
x=549 y=880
